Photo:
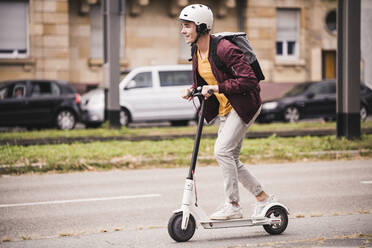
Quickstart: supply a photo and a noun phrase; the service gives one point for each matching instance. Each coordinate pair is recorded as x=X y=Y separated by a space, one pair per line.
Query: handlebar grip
x=197 y=91
x=191 y=93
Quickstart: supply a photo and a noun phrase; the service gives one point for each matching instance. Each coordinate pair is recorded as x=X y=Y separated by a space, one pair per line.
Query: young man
x=236 y=100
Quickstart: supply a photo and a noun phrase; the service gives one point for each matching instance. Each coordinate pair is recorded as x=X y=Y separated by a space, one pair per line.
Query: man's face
x=188 y=29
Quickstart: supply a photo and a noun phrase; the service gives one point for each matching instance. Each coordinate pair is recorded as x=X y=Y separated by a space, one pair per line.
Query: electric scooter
x=182 y=224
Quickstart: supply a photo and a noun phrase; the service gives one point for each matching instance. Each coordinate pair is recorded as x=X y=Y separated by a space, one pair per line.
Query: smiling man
x=235 y=99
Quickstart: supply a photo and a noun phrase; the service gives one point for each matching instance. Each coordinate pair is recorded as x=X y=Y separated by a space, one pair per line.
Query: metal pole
x=197 y=140
x=111 y=67
x=241 y=6
x=348 y=69
x=339 y=68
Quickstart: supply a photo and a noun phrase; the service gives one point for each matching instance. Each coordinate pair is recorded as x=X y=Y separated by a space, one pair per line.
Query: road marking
x=366 y=182
x=80 y=200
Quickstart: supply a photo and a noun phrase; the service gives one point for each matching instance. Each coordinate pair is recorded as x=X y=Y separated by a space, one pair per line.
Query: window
x=4 y=93
x=56 y=91
x=297 y=90
x=323 y=88
x=19 y=91
x=44 y=89
x=13 y=90
x=287 y=29
x=175 y=78
x=142 y=80
x=96 y=33
x=13 y=29
x=331 y=21
x=332 y=88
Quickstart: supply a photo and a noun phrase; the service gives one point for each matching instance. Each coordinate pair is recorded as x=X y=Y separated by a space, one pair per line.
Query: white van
x=147 y=94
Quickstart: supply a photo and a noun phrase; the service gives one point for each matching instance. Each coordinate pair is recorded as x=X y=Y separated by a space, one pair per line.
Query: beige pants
x=227 y=150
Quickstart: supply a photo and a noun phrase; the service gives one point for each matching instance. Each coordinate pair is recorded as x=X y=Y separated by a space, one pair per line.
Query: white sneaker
x=228 y=212
x=259 y=207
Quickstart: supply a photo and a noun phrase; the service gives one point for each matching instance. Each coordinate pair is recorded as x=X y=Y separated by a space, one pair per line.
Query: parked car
x=39 y=103
x=147 y=94
x=93 y=107
x=311 y=100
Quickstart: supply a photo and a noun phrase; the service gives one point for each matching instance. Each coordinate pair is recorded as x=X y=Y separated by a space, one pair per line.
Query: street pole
x=241 y=6
x=111 y=10
x=348 y=69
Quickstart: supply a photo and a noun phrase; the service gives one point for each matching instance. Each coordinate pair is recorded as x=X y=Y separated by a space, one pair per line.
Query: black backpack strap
x=257 y=70
x=213 y=50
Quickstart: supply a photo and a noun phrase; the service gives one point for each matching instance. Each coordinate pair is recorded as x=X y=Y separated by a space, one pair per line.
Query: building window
x=331 y=21
x=287 y=33
x=96 y=33
x=13 y=29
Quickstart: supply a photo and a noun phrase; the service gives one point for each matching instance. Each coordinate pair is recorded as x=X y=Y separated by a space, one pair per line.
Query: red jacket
x=239 y=84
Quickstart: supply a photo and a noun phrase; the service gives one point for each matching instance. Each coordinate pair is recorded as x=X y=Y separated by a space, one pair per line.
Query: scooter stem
x=197 y=139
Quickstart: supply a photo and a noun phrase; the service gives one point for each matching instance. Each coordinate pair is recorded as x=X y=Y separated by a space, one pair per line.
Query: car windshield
x=297 y=90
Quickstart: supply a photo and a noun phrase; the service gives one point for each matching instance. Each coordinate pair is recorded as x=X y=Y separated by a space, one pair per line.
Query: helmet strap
x=200 y=30
x=196 y=40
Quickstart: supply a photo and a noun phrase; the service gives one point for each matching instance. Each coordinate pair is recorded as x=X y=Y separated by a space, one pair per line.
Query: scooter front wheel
x=277 y=212
x=175 y=231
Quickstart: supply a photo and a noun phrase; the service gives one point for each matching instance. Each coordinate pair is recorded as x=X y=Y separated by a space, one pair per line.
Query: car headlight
x=270 y=105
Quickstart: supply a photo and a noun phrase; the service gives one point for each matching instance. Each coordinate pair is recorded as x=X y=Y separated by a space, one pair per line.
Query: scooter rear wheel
x=175 y=231
x=277 y=211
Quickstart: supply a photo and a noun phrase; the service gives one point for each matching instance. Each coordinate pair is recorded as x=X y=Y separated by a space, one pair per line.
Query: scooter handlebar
x=197 y=92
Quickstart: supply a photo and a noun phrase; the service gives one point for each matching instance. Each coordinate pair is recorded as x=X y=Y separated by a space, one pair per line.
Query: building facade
x=295 y=40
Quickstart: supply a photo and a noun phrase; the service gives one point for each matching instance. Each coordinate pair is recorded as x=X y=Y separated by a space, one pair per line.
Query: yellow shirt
x=205 y=71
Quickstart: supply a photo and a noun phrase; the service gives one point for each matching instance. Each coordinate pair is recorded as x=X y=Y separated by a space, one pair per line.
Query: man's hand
x=208 y=90
x=185 y=94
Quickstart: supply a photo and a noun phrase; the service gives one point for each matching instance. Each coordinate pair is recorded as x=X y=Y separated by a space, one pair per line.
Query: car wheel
x=66 y=120
x=291 y=114
x=363 y=113
x=124 y=117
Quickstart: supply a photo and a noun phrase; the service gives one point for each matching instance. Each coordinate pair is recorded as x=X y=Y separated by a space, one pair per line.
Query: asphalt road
x=330 y=205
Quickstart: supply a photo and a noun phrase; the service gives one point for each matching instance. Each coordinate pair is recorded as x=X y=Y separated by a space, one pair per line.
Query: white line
x=366 y=182
x=80 y=200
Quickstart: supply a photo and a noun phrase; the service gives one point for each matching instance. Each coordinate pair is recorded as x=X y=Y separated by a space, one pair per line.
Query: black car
x=311 y=100
x=39 y=103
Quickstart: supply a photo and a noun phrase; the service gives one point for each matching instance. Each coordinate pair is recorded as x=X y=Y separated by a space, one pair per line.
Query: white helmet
x=199 y=14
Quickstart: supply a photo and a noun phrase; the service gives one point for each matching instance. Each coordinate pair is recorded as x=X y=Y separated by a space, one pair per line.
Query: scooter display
x=183 y=222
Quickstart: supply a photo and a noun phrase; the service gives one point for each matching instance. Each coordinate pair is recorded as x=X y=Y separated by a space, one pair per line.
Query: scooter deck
x=214 y=224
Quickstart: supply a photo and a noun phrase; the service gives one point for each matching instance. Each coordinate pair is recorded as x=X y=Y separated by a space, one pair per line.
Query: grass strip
x=173 y=153
x=132 y=132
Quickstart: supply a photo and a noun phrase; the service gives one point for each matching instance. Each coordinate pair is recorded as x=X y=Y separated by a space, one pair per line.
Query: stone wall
x=48 y=44
x=59 y=33
x=313 y=38
x=153 y=37
x=82 y=69
x=49 y=39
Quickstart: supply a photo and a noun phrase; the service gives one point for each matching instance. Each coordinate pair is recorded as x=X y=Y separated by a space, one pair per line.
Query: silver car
x=147 y=94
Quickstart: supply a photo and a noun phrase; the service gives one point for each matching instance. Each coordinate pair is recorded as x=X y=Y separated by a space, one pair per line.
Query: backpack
x=241 y=41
